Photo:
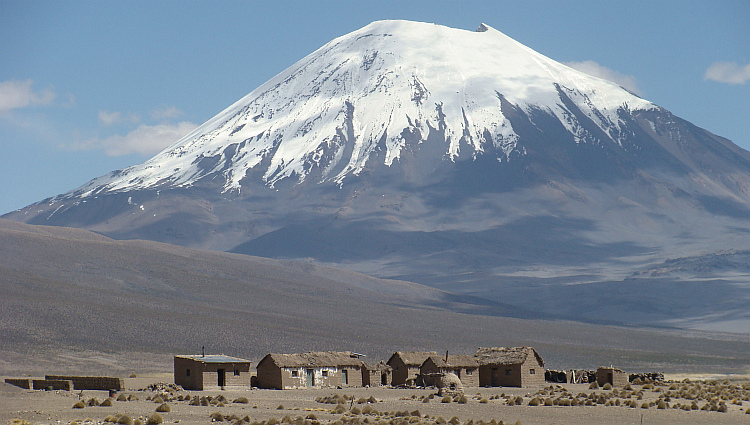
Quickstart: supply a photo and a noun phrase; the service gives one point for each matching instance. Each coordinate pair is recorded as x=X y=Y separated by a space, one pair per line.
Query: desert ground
x=390 y=407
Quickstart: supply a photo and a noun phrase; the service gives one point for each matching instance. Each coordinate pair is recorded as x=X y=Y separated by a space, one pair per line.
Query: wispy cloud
x=107 y=118
x=728 y=72
x=628 y=82
x=166 y=113
x=16 y=94
x=144 y=140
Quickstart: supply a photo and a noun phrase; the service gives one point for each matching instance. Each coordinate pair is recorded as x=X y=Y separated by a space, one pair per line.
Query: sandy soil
x=55 y=407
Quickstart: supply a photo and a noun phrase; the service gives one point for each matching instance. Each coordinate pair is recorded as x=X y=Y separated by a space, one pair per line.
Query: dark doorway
x=222 y=377
x=310 y=377
x=384 y=379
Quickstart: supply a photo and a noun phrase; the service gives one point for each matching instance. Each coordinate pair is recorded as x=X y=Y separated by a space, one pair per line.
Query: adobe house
x=612 y=376
x=510 y=367
x=313 y=369
x=406 y=366
x=465 y=367
x=379 y=375
x=216 y=371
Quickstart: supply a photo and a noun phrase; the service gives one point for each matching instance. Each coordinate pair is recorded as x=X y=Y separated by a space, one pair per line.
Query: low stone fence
x=103 y=383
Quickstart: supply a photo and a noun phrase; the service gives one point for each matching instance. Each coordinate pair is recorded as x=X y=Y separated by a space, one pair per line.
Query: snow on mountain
x=367 y=91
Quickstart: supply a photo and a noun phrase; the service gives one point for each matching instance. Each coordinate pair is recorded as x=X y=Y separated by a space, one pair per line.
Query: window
x=508 y=372
x=187 y=372
x=236 y=372
x=469 y=372
x=325 y=373
x=295 y=374
x=532 y=372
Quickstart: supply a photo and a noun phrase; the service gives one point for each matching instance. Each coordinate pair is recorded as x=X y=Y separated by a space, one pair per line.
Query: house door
x=384 y=379
x=495 y=375
x=310 y=377
x=222 y=377
x=345 y=377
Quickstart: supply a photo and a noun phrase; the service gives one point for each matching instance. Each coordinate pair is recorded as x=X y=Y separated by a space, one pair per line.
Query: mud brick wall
x=43 y=384
x=90 y=382
x=24 y=383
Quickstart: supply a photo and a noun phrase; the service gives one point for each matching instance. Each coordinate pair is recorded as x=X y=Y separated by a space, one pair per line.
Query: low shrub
x=79 y=405
x=122 y=397
x=446 y=399
x=125 y=420
x=106 y=403
x=154 y=419
x=241 y=400
x=216 y=417
x=164 y=407
x=534 y=401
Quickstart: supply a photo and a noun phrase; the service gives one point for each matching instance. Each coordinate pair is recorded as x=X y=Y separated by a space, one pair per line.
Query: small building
x=313 y=369
x=612 y=376
x=406 y=366
x=465 y=367
x=378 y=375
x=216 y=371
x=510 y=367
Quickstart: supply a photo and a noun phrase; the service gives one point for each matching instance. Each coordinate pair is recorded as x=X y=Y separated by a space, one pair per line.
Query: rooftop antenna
x=203 y=351
x=446 y=356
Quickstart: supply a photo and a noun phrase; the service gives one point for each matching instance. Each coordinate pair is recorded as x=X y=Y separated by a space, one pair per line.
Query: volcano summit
x=459 y=159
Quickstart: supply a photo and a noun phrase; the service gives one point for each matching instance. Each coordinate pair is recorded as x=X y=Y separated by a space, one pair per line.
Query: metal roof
x=215 y=358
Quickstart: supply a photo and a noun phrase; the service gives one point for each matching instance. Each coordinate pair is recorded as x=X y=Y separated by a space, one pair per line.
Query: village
x=496 y=385
x=519 y=367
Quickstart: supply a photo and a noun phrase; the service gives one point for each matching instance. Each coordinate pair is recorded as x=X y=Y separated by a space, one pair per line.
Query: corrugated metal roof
x=215 y=358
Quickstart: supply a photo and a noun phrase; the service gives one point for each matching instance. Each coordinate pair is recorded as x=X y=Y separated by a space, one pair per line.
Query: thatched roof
x=412 y=358
x=380 y=366
x=315 y=359
x=459 y=360
x=506 y=355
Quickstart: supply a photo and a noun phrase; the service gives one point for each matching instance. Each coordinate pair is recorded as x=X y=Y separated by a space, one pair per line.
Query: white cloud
x=628 y=82
x=15 y=94
x=144 y=140
x=107 y=118
x=165 y=113
x=728 y=72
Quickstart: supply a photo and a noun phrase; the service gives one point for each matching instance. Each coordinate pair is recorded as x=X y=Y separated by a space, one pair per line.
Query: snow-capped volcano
x=458 y=159
x=374 y=90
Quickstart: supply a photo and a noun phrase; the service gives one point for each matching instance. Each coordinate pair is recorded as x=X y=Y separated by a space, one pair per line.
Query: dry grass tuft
x=79 y=405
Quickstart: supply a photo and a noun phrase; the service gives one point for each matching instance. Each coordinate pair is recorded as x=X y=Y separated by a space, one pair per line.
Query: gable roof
x=380 y=366
x=506 y=355
x=458 y=360
x=412 y=358
x=214 y=358
x=314 y=359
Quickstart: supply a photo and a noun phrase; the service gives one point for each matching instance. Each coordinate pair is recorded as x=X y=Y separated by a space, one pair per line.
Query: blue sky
x=87 y=87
